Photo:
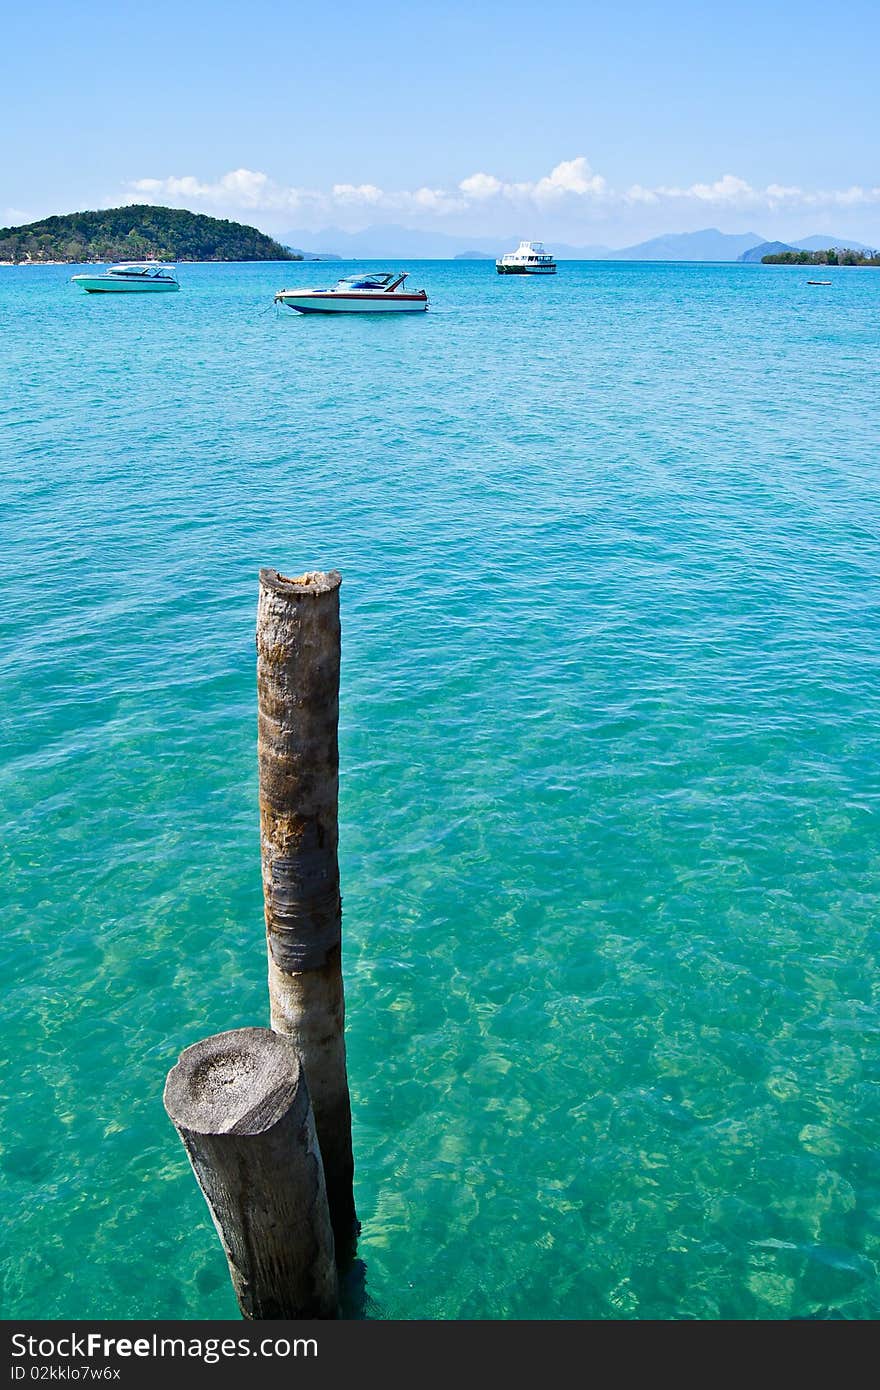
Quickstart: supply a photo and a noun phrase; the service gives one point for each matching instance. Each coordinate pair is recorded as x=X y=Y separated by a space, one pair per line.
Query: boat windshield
x=148 y=268
x=367 y=281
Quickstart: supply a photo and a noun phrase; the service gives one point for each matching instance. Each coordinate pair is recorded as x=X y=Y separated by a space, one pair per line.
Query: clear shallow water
x=610 y=555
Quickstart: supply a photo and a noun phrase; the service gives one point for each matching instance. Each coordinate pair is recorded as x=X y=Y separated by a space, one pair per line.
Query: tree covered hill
x=833 y=256
x=138 y=232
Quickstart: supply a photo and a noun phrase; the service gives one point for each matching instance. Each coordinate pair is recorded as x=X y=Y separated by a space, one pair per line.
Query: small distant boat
x=377 y=292
x=818 y=282
x=133 y=277
x=529 y=258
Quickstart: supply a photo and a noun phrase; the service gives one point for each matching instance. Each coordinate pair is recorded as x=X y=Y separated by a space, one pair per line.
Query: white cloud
x=243 y=187
x=481 y=186
x=847 y=197
x=431 y=199
x=727 y=189
x=571 y=185
x=357 y=193
x=571 y=176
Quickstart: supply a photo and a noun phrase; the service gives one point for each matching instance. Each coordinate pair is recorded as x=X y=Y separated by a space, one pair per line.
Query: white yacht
x=529 y=258
x=140 y=277
x=371 y=292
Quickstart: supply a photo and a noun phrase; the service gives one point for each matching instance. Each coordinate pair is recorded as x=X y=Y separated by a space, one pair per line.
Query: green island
x=135 y=233
x=833 y=256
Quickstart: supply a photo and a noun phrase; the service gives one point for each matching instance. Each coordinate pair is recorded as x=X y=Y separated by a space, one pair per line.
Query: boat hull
x=100 y=284
x=525 y=269
x=330 y=303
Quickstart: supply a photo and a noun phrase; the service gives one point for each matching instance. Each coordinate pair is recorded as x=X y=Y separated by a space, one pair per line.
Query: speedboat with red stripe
x=379 y=292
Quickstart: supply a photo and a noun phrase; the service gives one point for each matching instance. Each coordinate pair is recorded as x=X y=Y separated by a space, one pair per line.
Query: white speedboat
x=529 y=258
x=134 y=277
x=368 y=293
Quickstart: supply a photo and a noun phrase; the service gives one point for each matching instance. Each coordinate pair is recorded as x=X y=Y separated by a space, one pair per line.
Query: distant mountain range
x=708 y=245
x=139 y=231
x=822 y=243
x=712 y=245
x=394 y=241
x=301 y=255
x=388 y=241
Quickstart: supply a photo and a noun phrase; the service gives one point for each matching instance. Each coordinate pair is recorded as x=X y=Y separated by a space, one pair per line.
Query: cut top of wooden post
x=242 y=1082
x=314 y=582
x=240 y=1103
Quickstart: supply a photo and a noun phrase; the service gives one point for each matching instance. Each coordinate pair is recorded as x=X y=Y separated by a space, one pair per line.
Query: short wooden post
x=298 y=658
x=240 y=1103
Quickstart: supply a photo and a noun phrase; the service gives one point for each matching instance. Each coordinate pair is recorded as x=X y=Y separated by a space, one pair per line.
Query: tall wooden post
x=298 y=658
x=240 y=1103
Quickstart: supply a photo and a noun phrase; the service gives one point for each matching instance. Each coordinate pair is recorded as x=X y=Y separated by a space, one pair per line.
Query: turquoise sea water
x=610 y=547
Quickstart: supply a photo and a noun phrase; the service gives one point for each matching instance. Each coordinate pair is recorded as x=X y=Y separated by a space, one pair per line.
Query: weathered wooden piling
x=298 y=659
x=240 y=1103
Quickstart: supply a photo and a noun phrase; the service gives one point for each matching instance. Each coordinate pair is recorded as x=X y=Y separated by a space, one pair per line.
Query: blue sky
x=594 y=122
